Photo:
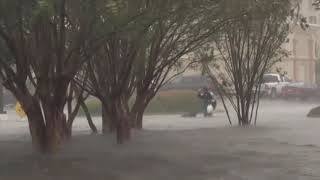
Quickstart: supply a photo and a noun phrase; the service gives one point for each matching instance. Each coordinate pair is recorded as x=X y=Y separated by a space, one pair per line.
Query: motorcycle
x=211 y=107
x=209 y=104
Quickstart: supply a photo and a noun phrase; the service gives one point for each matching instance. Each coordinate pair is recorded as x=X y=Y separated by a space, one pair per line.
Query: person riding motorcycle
x=209 y=99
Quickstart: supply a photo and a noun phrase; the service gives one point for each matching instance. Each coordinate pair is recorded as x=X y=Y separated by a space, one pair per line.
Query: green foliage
x=175 y=102
x=44 y=9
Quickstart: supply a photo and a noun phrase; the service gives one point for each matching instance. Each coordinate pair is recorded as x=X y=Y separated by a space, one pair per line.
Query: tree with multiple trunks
x=109 y=71
x=44 y=43
x=246 y=50
x=169 y=47
x=137 y=62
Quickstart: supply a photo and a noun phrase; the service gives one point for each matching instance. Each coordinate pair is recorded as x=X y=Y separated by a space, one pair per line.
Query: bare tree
x=246 y=50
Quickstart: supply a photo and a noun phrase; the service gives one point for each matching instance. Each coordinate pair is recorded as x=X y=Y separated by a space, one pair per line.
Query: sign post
x=20 y=110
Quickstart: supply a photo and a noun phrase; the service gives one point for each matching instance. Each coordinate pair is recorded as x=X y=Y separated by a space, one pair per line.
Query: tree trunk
x=68 y=132
x=123 y=123
x=139 y=120
x=105 y=120
x=71 y=117
x=56 y=130
x=49 y=133
x=37 y=129
x=1 y=99
x=138 y=111
x=88 y=116
x=137 y=116
x=108 y=125
x=244 y=120
x=123 y=128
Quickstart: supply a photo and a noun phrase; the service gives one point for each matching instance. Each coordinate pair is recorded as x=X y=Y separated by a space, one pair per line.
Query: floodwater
x=284 y=146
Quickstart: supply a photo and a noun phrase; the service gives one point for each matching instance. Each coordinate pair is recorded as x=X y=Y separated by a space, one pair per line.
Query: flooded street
x=285 y=146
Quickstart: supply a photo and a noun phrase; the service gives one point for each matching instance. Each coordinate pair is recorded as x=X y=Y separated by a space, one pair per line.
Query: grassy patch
x=166 y=102
x=172 y=102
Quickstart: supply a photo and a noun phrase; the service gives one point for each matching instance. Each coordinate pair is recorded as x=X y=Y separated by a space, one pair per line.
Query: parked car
x=273 y=83
x=300 y=90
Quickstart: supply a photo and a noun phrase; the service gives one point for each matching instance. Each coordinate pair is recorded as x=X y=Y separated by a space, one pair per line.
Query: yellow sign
x=20 y=110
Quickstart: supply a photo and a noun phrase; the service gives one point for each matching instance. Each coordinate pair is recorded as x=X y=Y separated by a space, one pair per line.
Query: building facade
x=303 y=46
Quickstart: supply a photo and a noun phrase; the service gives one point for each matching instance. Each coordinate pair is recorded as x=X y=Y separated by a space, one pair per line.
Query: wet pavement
x=284 y=146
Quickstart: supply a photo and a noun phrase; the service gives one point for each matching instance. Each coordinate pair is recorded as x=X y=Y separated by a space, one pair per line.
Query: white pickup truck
x=273 y=83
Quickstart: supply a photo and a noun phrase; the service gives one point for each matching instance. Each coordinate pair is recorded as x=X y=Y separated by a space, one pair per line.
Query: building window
x=294 y=47
x=312 y=19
